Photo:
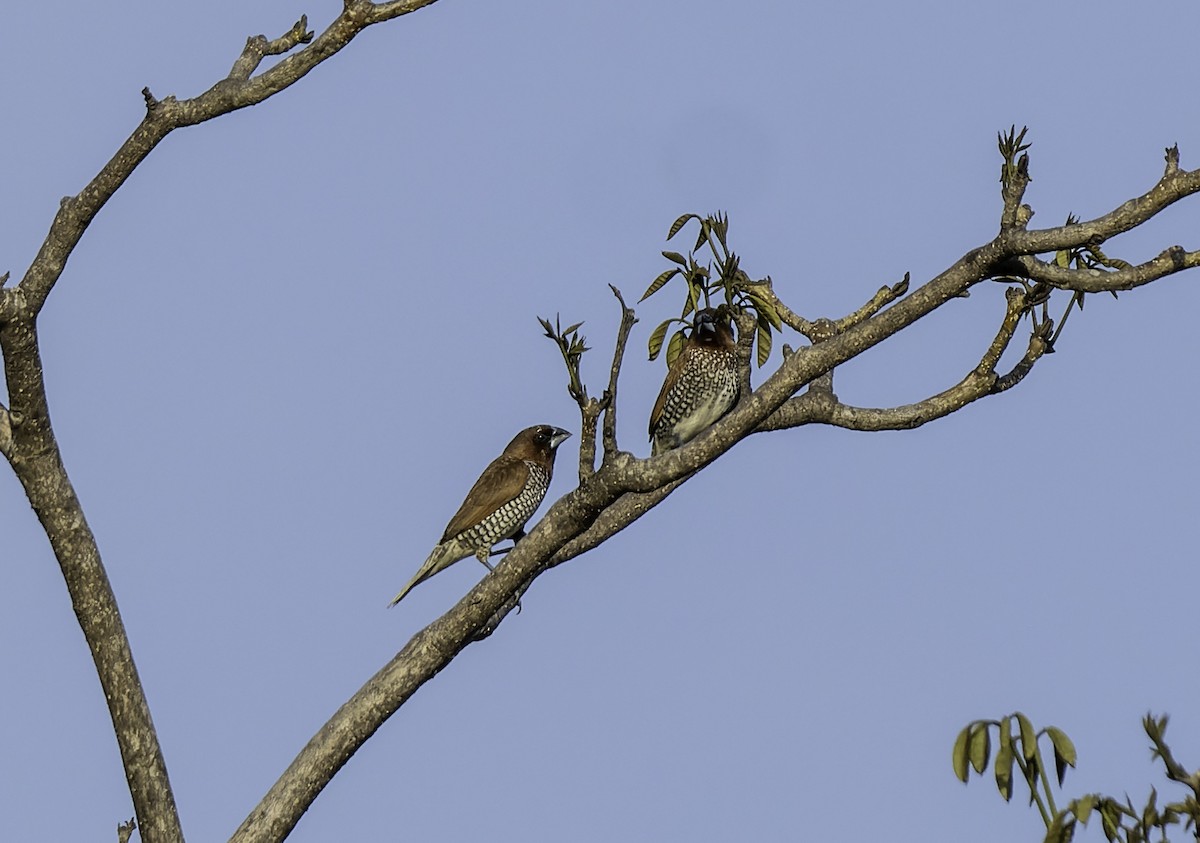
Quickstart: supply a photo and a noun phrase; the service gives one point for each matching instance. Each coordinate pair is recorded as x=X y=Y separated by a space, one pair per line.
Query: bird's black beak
x=559 y=437
x=706 y=325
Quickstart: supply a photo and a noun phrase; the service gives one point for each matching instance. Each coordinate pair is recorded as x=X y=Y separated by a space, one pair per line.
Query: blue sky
x=289 y=344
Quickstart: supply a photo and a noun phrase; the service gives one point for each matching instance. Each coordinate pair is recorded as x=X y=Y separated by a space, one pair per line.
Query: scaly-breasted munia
x=498 y=505
x=701 y=385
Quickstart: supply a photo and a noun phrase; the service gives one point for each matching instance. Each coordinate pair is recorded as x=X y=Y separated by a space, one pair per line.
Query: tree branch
x=813 y=407
x=1170 y=261
x=624 y=488
x=33 y=453
x=238 y=90
x=882 y=298
x=1174 y=185
x=628 y=320
x=26 y=437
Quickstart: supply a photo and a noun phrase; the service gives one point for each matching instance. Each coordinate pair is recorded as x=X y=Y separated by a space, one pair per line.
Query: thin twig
x=628 y=320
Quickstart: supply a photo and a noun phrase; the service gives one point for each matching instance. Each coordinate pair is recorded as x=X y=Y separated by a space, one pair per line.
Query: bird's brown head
x=537 y=443
x=713 y=328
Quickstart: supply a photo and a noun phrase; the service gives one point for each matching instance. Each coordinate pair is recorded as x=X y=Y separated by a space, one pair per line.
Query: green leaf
x=703 y=236
x=675 y=257
x=1062 y=829
x=1110 y=817
x=1082 y=807
x=1028 y=737
x=762 y=305
x=720 y=225
x=764 y=341
x=960 y=756
x=657 y=284
x=1004 y=764
x=980 y=747
x=656 y=338
x=674 y=347
x=1064 y=751
x=680 y=223
x=768 y=310
x=572 y=328
x=694 y=292
x=1150 y=812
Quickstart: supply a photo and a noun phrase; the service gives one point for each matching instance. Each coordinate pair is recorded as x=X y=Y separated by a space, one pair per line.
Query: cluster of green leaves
x=1119 y=820
x=719 y=275
x=572 y=346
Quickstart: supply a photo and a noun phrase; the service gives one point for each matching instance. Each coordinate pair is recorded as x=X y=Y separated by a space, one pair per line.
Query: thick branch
x=615 y=518
x=622 y=490
x=33 y=453
x=27 y=440
x=431 y=649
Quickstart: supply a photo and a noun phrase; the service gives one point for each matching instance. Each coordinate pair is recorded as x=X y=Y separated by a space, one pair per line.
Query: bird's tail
x=442 y=557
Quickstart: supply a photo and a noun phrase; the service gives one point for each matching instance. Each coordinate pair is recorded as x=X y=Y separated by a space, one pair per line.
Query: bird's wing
x=500 y=482
x=668 y=385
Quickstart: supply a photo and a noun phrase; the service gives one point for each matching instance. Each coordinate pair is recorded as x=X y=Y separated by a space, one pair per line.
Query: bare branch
x=1168 y=262
x=628 y=320
x=1038 y=344
x=238 y=90
x=258 y=47
x=786 y=315
x=826 y=409
x=1174 y=185
x=589 y=417
x=881 y=299
x=615 y=518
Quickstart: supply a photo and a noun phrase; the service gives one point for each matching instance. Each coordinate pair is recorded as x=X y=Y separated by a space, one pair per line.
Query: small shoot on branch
x=1011 y=145
x=572 y=346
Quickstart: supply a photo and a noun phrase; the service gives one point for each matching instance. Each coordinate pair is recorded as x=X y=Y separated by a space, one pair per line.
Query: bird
x=503 y=498
x=701 y=384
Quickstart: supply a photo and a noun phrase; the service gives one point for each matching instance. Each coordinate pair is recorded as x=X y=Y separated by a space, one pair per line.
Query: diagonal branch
x=620 y=492
x=238 y=90
x=1174 y=185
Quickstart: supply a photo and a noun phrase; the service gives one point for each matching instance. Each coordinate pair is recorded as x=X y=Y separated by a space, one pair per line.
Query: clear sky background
x=290 y=343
